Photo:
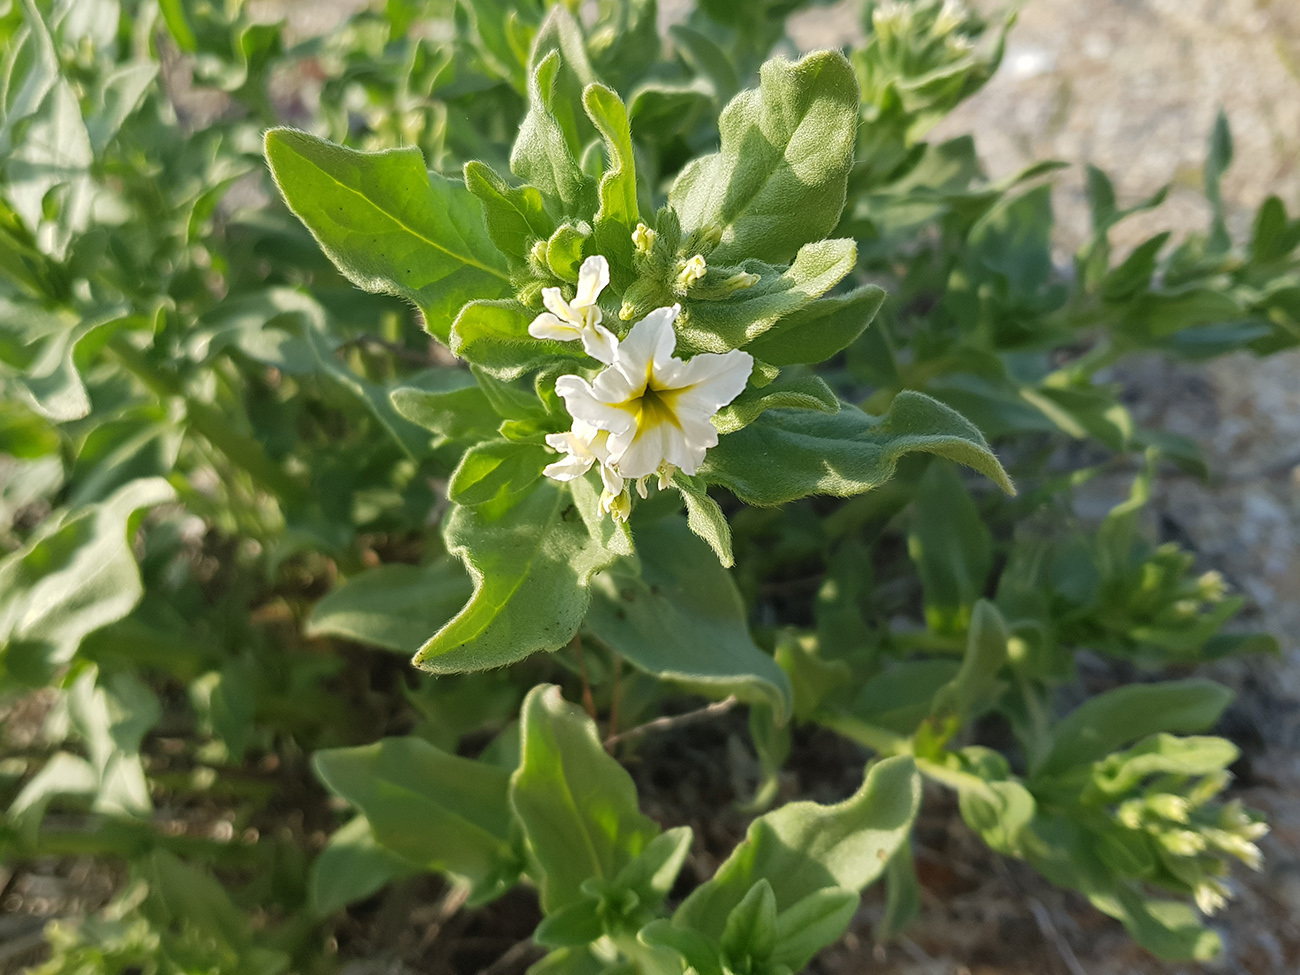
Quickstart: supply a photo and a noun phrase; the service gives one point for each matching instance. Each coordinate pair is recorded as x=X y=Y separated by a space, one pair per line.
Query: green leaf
x=798 y=393
x=704 y=516
x=439 y=811
x=951 y=547
x=900 y=698
x=531 y=568
x=494 y=336
x=999 y=813
x=541 y=155
x=496 y=474
x=390 y=225
x=820 y=329
x=1217 y=161
x=977 y=682
x=1110 y=721
x=514 y=216
x=112 y=716
x=75 y=575
x=576 y=804
x=681 y=619
x=815 y=922
x=902 y=894
x=30 y=47
x=118 y=97
x=789 y=454
x=803 y=848
x=460 y=410
x=618 y=213
x=1162 y=754
x=396 y=607
x=352 y=866
x=410 y=438
x=749 y=935
x=779 y=180
x=716 y=326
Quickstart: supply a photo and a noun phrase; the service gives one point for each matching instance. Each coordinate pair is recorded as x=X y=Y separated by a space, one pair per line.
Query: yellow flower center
x=654 y=407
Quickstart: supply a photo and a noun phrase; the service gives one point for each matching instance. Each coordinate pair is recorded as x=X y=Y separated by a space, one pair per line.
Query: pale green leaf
x=681 y=619
x=439 y=811
x=390 y=225
x=789 y=454
x=576 y=804
x=531 y=568
x=77 y=574
x=352 y=866
x=397 y=607
x=778 y=181
x=1112 y=720
x=803 y=848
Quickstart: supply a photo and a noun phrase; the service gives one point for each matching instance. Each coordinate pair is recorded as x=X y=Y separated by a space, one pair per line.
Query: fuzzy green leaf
x=440 y=811
x=531 y=568
x=716 y=326
x=542 y=156
x=779 y=180
x=396 y=607
x=493 y=335
x=514 y=216
x=618 y=213
x=819 y=330
x=804 y=848
x=681 y=619
x=799 y=393
x=390 y=225
x=576 y=804
x=789 y=454
x=1112 y=720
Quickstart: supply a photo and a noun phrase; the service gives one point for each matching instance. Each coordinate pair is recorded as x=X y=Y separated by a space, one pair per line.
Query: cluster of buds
x=1163 y=793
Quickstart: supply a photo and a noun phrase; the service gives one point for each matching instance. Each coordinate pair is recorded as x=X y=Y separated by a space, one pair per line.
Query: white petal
x=611 y=479
x=583 y=405
x=554 y=301
x=709 y=382
x=648 y=348
x=593 y=276
x=646 y=450
x=687 y=448
x=547 y=326
x=567 y=468
x=600 y=343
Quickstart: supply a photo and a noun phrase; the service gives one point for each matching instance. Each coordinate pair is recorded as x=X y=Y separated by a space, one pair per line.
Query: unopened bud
x=538 y=253
x=740 y=281
x=692 y=271
x=643 y=239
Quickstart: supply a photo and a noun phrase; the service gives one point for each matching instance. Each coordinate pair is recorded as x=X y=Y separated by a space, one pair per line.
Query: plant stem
x=588 y=702
x=675 y=721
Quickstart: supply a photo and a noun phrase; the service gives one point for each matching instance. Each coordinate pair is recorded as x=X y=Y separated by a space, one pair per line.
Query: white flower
x=585 y=445
x=566 y=321
x=656 y=408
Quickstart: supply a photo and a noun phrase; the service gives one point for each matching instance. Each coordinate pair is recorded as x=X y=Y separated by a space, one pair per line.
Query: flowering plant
x=671 y=353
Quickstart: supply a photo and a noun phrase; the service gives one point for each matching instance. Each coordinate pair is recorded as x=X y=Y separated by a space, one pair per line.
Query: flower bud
x=643 y=239
x=692 y=271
